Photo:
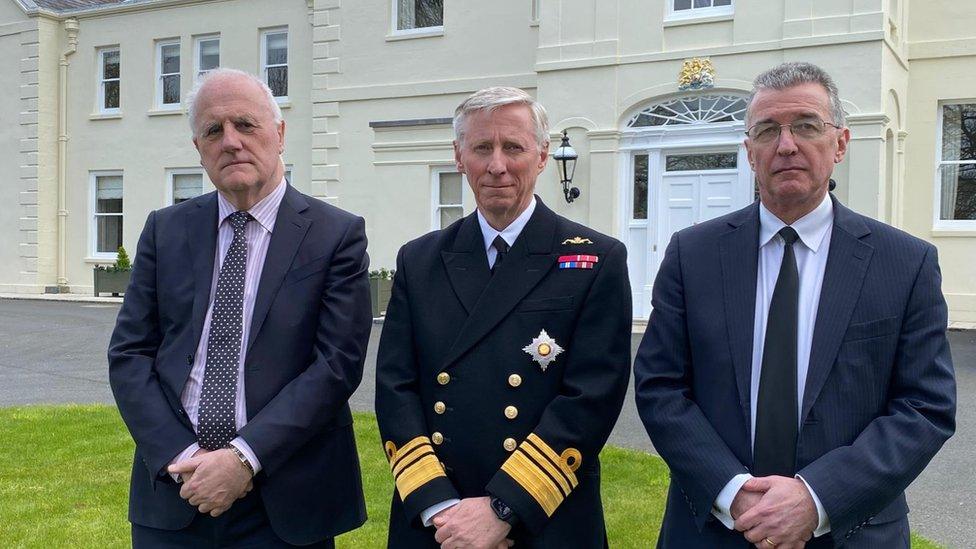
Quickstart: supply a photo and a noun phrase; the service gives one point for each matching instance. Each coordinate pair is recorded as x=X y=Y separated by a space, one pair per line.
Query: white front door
x=684 y=188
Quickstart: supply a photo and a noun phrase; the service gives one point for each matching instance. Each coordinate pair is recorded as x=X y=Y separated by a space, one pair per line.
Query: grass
x=64 y=475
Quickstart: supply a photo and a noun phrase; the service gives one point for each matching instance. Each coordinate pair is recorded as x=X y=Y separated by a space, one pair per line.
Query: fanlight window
x=705 y=109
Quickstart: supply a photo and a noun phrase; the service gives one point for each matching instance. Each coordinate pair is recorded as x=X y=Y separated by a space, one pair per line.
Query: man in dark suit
x=504 y=356
x=795 y=373
x=241 y=338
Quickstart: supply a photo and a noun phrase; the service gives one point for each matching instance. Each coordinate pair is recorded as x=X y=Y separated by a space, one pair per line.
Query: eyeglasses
x=806 y=129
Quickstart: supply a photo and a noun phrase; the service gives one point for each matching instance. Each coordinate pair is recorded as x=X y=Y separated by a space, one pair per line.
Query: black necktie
x=502 y=248
x=776 y=411
x=216 y=425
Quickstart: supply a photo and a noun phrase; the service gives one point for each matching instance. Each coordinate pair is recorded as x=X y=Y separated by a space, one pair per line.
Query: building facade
x=651 y=93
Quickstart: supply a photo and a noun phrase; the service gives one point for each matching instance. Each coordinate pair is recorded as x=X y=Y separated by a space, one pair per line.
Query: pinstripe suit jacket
x=880 y=393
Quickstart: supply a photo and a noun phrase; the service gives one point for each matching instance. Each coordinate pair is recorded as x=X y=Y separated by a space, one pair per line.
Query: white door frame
x=656 y=142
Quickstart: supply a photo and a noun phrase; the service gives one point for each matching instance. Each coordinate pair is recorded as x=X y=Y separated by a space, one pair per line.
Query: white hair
x=490 y=99
x=788 y=75
x=221 y=72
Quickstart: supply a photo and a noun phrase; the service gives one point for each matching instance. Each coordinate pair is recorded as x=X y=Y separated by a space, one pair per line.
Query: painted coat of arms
x=697 y=73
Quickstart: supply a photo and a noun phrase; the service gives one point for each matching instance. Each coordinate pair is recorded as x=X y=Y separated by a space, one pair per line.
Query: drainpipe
x=71 y=28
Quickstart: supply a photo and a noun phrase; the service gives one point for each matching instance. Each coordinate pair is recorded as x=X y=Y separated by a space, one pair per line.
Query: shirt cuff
x=722 y=508
x=427 y=515
x=183 y=456
x=823 y=521
x=245 y=449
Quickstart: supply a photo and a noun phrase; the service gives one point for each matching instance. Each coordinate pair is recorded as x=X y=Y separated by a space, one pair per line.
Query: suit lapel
x=289 y=233
x=466 y=263
x=201 y=237
x=847 y=263
x=739 y=249
x=525 y=265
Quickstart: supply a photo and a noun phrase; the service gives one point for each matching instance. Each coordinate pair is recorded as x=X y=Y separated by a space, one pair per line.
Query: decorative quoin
x=697 y=73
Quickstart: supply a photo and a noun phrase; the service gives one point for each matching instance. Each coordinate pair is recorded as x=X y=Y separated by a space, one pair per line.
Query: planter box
x=379 y=295
x=111 y=282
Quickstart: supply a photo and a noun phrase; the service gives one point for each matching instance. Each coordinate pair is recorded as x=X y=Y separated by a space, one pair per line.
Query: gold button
x=511 y=412
x=544 y=349
x=509 y=444
x=437 y=438
x=443 y=378
x=439 y=407
x=514 y=380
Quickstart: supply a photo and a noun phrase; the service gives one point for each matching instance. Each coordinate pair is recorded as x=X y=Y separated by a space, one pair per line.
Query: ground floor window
x=447 y=193
x=956 y=178
x=107 y=213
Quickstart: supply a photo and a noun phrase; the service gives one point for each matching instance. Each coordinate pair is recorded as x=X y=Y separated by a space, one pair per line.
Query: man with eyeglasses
x=795 y=373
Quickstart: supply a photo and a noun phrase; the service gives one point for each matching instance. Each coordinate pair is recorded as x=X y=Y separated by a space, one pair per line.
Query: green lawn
x=64 y=474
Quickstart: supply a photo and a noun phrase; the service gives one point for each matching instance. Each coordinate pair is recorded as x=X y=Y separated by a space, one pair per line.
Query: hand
x=185 y=477
x=217 y=480
x=443 y=516
x=785 y=515
x=472 y=525
x=744 y=500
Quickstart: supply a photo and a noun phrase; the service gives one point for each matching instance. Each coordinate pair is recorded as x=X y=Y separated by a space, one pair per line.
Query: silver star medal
x=543 y=349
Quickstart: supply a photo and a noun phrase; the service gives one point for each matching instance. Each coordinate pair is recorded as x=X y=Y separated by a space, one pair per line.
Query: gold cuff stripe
x=402 y=461
x=408 y=447
x=544 y=463
x=407 y=463
x=424 y=470
x=555 y=458
x=538 y=484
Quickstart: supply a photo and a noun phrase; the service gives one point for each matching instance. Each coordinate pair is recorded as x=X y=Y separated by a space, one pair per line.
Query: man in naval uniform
x=505 y=353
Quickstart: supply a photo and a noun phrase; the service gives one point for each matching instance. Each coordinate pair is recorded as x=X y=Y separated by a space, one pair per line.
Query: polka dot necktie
x=216 y=425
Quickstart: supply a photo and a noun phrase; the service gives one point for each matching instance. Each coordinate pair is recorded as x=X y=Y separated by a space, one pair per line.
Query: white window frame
x=197 y=40
x=159 y=74
x=171 y=172
x=395 y=16
x=264 y=57
x=93 y=215
x=435 y=194
x=697 y=13
x=100 y=70
x=938 y=223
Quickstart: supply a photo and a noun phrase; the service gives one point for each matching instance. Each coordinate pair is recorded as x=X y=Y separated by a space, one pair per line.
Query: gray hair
x=490 y=99
x=788 y=75
x=191 y=98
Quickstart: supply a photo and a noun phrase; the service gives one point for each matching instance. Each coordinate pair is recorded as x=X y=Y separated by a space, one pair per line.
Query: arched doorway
x=685 y=163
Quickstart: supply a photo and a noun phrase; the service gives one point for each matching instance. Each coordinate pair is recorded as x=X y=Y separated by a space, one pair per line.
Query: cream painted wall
x=934 y=81
x=142 y=143
x=12 y=23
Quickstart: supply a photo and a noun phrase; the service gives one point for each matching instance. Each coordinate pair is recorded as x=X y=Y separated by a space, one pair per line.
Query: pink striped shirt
x=258 y=233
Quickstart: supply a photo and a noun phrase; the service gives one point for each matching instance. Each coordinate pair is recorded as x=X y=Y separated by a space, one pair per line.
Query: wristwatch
x=246 y=463
x=503 y=511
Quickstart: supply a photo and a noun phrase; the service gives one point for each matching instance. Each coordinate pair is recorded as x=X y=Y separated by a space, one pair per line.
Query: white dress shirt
x=258 y=232
x=508 y=234
x=811 y=252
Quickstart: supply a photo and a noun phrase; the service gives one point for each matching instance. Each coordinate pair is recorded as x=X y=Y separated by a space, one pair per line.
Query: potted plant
x=380 y=287
x=114 y=278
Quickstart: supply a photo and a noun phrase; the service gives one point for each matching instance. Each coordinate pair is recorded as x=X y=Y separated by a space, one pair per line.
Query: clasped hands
x=212 y=480
x=471 y=524
x=775 y=511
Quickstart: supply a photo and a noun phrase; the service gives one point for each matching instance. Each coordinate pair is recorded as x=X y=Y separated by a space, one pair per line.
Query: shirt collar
x=811 y=228
x=265 y=212
x=510 y=233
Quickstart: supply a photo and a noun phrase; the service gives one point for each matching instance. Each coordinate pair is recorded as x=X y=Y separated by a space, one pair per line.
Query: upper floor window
x=447 y=193
x=168 y=73
x=690 y=9
x=109 y=79
x=106 y=213
x=955 y=199
x=206 y=55
x=274 y=61
x=417 y=15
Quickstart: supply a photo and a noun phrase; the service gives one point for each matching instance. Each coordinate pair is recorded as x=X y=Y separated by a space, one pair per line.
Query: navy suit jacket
x=308 y=335
x=880 y=394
